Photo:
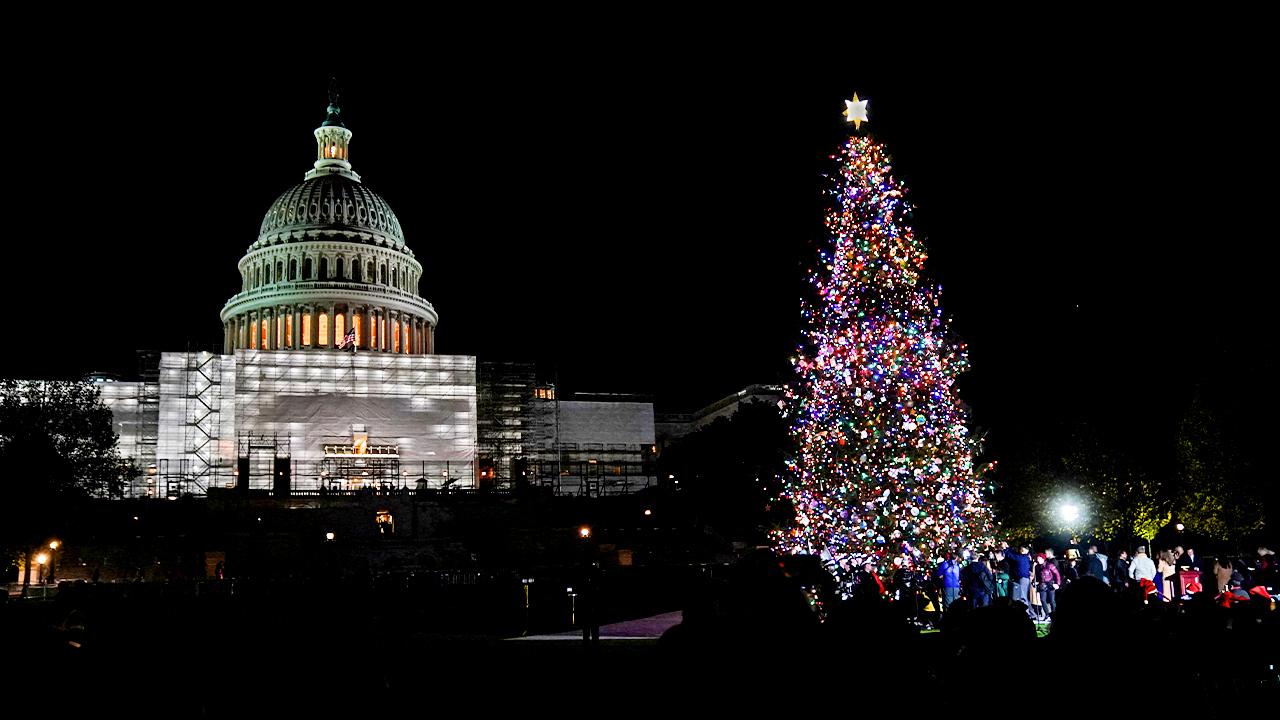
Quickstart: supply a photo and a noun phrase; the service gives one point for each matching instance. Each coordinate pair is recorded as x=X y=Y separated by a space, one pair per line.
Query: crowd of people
x=980 y=578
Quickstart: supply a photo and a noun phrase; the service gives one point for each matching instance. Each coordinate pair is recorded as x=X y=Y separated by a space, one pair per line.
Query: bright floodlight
x=1181 y=527
x=42 y=559
x=1070 y=512
x=585 y=532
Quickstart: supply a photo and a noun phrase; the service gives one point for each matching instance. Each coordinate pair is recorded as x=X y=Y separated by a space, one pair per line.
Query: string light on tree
x=885 y=472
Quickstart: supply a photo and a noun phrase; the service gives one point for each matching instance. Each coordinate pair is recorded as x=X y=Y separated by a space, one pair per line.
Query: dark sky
x=640 y=214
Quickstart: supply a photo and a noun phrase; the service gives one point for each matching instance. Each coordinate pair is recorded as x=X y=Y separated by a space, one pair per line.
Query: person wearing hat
x=1048 y=580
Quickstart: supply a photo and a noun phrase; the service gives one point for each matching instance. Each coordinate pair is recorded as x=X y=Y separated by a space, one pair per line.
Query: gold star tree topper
x=855 y=111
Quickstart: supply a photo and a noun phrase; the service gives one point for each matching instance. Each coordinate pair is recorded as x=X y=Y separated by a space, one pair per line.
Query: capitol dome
x=332 y=204
x=330 y=269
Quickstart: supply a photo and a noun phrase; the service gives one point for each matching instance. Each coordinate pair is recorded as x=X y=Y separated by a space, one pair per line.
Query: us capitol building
x=328 y=377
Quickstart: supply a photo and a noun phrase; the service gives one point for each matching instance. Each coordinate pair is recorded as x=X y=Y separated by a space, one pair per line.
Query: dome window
x=306 y=268
x=324 y=268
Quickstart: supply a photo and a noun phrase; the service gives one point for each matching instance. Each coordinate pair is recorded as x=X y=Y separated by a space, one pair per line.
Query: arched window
x=339 y=267
x=264 y=333
x=339 y=331
x=368 y=271
x=279 y=331
x=407 y=346
x=355 y=269
x=293 y=269
x=266 y=274
x=306 y=329
x=279 y=270
x=382 y=334
x=382 y=274
x=306 y=268
x=324 y=268
x=355 y=323
x=324 y=328
x=393 y=277
x=395 y=336
x=253 y=335
x=288 y=330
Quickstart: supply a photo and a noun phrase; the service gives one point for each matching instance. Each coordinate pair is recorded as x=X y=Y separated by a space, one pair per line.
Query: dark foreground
x=752 y=643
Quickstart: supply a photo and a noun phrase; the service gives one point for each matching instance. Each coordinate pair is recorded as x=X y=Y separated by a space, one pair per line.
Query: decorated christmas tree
x=885 y=472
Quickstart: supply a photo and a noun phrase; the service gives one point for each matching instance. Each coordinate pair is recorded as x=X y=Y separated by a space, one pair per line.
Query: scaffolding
x=504 y=396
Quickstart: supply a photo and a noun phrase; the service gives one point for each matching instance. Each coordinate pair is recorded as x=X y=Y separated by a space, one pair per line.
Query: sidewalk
x=650 y=628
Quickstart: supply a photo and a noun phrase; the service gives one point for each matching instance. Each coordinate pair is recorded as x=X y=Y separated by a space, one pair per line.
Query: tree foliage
x=728 y=471
x=1116 y=491
x=1217 y=495
x=58 y=447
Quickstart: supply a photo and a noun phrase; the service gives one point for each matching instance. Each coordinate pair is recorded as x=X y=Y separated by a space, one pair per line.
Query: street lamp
x=41 y=559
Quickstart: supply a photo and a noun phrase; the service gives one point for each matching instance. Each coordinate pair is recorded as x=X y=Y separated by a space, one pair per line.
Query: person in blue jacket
x=949 y=574
x=1020 y=575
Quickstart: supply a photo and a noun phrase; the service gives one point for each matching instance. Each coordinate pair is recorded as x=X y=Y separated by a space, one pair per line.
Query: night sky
x=640 y=215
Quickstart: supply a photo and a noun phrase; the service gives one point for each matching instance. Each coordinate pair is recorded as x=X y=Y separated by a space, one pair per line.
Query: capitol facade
x=328 y=376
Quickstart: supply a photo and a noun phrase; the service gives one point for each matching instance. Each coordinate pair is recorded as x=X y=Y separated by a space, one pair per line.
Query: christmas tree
x=885 y=472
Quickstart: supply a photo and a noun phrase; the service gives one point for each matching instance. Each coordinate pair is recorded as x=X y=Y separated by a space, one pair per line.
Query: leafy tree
x=58 y=447
x=1115 y=490
x=728 y=471
x=1217 y=496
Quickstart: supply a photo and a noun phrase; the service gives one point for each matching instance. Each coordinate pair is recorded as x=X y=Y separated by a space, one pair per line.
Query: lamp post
x=53 y=558
x=41 y=559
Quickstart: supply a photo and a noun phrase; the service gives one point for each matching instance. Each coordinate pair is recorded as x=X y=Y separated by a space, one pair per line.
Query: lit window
x=324 y=329
x=386 y=525
x=406 y=337
x=306 y=329
x=279 y=331
x=264 y=334
x=395 y=336
x=382 y=334
x=339 y=327
x=355 y=322
x=253 y=337
x=288 y=330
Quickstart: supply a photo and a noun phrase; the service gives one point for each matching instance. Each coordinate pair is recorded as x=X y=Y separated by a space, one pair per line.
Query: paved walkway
x=649 y=628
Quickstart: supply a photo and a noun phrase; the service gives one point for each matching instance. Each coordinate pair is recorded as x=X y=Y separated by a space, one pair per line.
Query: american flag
x=349 y=340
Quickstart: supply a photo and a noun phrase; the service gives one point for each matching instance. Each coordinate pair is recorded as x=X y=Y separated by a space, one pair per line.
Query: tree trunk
x=26 y=576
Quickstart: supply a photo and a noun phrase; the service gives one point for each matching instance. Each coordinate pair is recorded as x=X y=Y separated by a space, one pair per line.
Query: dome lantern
x=333 y=141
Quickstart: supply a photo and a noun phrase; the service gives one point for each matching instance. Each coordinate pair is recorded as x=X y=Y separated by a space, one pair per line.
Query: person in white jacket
x=1142 y=567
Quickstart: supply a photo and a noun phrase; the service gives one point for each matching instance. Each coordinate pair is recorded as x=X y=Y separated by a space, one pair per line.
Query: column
x=315 y=324
x=347 y=317
x=297 y=325
x=366 y=328
x=383 y=328
x=271 y=328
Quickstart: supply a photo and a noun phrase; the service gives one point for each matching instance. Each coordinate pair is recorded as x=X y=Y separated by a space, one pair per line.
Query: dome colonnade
x=330 y=258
